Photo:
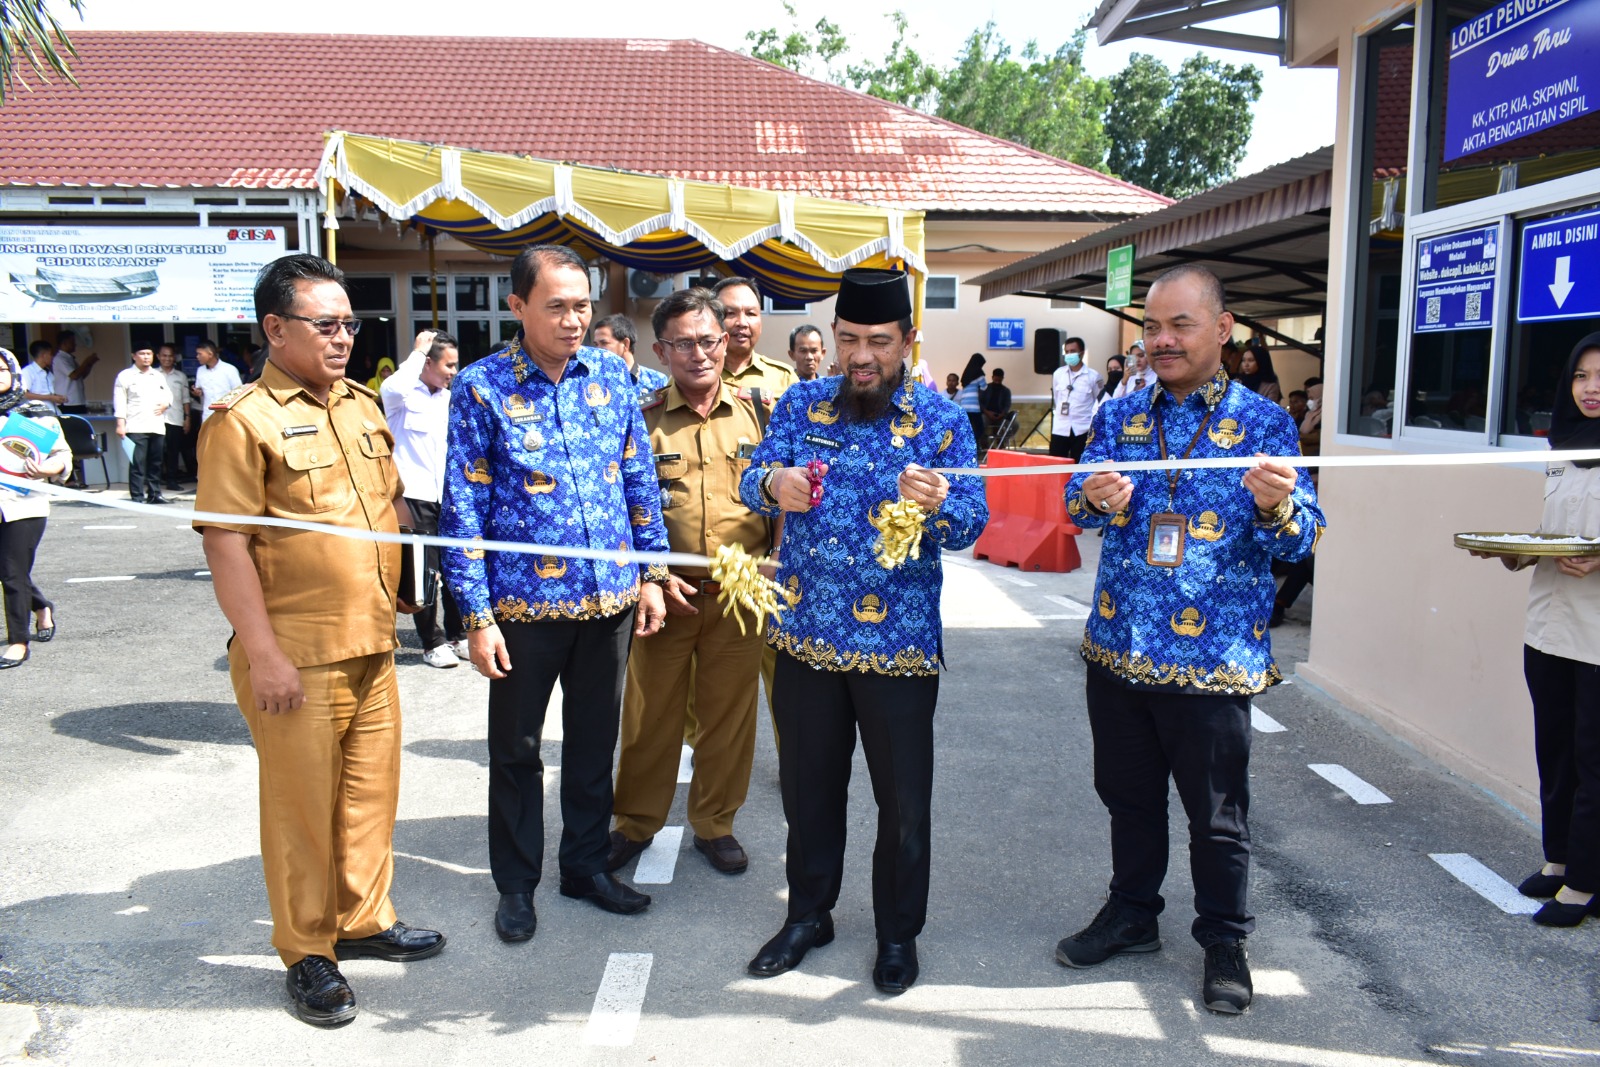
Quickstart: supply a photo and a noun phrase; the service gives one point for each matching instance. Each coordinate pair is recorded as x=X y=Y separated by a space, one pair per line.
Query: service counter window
x=372 y=301
x=1555 y=308
x=472 y=308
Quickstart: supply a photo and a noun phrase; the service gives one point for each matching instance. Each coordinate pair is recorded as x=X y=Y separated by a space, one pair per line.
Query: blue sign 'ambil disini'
x=1560 y=269
x=1007 y=333
x=1518 y=68
x=1455 y=280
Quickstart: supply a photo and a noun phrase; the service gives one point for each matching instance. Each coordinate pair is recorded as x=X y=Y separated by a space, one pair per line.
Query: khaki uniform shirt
x=270 y=449
x=699 y=462
x=1564 y=612
x=767 y=375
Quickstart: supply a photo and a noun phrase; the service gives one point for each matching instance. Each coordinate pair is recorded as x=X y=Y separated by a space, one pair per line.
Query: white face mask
x=1312 y=405
x=1072 y=359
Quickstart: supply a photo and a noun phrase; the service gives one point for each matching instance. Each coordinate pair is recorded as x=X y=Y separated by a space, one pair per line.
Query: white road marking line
x=686 y=766
x=617 y=1003
x=1272 y=1052
x=446 y=864
x=1059 y=618
x=259 y=963
x=1353 y=787
x=202 y=574
x=1279 y=984
x=1005 y=576
x=795 y=984
x=137 y=909
x=1484 y=882
x=1070 y=605
x=111 y=527
x=1265 y=723
x=108 y=578
x=262 y=922
x=658 y=862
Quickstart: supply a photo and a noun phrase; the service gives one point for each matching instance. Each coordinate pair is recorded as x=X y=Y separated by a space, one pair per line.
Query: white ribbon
x=1396 y=459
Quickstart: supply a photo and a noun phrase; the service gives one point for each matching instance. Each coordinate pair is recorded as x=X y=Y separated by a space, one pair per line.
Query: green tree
x=902 y=76
x=1047 y=102
x=29 y=32
x=799 y=49
x=1179 y=133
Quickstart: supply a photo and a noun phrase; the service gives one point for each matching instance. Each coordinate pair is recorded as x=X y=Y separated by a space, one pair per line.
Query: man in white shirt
x=37 y=380
x=177 y=416
x=69 y=373
x=1074 y=388
x=416 y=404
x=214 y=380
x=139 y=399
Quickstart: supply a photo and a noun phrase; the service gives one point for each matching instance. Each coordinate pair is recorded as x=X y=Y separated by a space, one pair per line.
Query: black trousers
x=1296 y=576
x=19 y=543
x=172 y=453
x=1566 y=745
x=1068 y=446
x=590 y=657
x=144 y=471
x=818 y=714
x=1202 y=742
x=425 y=520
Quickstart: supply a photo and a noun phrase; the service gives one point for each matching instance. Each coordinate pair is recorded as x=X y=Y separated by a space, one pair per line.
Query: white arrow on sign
x=1563 y=284
x=1007 y=342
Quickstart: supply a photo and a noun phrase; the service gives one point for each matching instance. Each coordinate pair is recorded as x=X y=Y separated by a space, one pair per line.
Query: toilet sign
x=1560 y=269
x=1007 y=333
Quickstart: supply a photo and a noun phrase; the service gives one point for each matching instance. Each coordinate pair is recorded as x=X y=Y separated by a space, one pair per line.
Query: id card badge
x=1166 y=539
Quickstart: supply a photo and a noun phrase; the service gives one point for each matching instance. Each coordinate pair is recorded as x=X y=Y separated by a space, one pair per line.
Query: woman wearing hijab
x=970 y=398
x=1115 y=368
x=22 y=519
x=1561 y=657
x=1257 y=375
x=1139 y=375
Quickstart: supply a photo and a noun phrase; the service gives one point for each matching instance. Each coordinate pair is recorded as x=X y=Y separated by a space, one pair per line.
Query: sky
x=1295 y=114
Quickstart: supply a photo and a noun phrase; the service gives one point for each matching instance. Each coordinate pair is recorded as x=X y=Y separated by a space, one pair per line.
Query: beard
x=859 y=404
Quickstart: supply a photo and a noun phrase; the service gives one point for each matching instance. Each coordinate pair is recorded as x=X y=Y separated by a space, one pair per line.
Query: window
x=372 y=301
x=777 y=305
x=940 y=292
x=474 y=308
x=1539 y=348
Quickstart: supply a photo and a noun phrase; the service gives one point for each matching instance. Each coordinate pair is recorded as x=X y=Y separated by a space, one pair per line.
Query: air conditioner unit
x=643 y=285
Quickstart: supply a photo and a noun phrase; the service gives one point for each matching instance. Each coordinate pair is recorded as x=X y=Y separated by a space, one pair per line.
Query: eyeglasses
x=327 y=327
x=686 y=345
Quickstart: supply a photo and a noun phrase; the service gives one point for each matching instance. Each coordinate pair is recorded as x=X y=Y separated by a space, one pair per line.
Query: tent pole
x=330 y=225
x=919 y=295
x=433 y=284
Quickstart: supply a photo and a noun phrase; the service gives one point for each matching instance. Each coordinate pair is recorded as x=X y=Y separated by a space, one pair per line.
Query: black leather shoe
x=896 y=968
x=785 y=951
x=607 y=893
x=624 y=848
x=1541 y=886
x=319 y=993
x=156 y=500
x=45 y=633
x=398 y=944
x=1555 y=913
x=6 y=662
x=515 y=920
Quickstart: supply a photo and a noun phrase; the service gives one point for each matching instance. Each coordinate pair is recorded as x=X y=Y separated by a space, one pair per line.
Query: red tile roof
x=249 y=110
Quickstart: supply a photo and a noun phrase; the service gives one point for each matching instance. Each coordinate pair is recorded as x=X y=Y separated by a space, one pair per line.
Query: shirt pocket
x=314 y=484
x=737 y=465
x=380 y=463
x=670 y=469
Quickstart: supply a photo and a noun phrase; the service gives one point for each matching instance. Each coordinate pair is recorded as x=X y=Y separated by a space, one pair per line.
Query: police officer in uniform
x=312 y=656
x=702 y=434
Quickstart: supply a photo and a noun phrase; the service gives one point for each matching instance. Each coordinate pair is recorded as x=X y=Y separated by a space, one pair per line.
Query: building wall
x=1406 y=628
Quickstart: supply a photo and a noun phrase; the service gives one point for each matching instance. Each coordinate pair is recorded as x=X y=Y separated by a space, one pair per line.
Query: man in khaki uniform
x=702 y=432
x=312 y=655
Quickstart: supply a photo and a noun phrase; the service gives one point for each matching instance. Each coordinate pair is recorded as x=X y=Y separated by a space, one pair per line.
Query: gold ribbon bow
x=744 y=586
x=900 y=526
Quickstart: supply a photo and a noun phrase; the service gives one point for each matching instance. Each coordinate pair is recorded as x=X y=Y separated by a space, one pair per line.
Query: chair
x=85 y=445
x=1003 y=431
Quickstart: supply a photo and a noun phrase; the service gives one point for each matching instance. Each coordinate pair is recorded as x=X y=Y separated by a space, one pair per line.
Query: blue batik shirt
x=849 y=613
x=648 y=380
x=1200 y=626
x=554 y=463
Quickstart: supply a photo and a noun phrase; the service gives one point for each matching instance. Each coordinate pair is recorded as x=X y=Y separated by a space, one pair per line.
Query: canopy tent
x=794 y=246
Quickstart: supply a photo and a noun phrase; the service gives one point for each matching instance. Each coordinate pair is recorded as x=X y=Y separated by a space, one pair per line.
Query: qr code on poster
x=1474 y=305
x=1433 y=309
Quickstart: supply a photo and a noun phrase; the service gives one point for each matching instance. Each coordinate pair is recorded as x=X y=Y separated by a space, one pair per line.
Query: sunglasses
x=327 y=327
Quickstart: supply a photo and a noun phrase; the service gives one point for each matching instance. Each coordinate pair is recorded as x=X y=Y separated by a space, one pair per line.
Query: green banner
x=1119 y=277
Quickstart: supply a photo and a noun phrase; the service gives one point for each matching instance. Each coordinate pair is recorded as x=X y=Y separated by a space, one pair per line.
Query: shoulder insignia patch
x=232 y=397
x=361 y=390
x=652 y=400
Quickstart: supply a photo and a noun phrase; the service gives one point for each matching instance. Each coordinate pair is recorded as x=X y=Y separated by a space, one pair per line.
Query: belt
x=706 y=587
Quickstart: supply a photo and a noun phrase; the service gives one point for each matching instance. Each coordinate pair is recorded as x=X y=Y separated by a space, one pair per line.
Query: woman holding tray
x=22 y=519
x=1561 y=657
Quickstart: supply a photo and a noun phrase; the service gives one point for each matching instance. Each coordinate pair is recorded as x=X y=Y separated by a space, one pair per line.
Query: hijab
x=1569 y=427
x=1264 y=372
x=974 y=369
x=13 y=398
x=1113 y=376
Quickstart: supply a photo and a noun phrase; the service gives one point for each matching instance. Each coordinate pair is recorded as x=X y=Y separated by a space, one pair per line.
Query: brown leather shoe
x=624 y=849
x=725 y=853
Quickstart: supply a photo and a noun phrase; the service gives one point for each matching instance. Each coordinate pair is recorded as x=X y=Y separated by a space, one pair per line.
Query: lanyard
x=1161 y=442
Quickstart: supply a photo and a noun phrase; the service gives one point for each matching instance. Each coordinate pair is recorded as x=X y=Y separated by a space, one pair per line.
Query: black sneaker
x=1227 y=986
x=1110 y=934
x=319 y=993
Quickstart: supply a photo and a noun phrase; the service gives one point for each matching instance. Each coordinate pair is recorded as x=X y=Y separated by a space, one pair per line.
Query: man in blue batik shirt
x=1178 y=642
x=860 y=647
x=547 y=446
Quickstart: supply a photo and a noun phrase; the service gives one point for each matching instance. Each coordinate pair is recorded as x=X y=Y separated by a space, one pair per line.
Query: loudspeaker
x=1047 y=350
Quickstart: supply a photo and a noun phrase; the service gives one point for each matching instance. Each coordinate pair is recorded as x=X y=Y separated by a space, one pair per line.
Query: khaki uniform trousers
x=330 y=784
x=707 y=657
x=769 y=664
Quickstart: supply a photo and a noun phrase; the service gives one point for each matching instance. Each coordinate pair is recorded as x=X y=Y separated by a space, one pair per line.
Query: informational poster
x=1119 y=276
x=1456 y=280
x=1520 y=67
x=133 y=273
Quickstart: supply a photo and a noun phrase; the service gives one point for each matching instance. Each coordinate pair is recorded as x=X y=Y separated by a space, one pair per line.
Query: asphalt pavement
x=134 y=926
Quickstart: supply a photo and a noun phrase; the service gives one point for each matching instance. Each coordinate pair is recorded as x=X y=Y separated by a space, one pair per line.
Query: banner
x=1456 y=280
x=133 y=273
x=1520 y=67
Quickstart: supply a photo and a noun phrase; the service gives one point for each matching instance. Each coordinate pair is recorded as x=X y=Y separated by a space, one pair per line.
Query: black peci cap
x=868 y=296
